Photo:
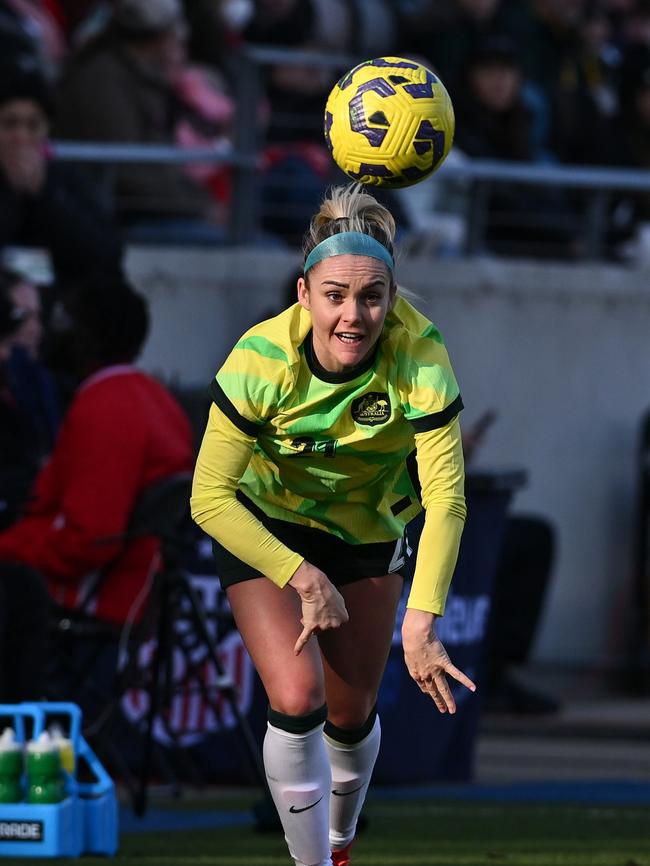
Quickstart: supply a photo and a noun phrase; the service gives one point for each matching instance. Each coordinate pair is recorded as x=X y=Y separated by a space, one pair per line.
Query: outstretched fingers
x=445 y=702
x=437 y=687
x=458 y=675
x=439 y=691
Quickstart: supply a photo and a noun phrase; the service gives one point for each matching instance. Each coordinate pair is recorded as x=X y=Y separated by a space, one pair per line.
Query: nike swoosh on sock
x=346 y=793
x=304 y=808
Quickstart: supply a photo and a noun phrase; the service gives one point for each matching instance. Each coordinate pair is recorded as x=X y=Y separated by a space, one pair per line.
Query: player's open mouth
x=350 y=339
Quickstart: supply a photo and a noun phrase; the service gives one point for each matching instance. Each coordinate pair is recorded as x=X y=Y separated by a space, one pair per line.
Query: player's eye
x=373 y=298
x=334 y=296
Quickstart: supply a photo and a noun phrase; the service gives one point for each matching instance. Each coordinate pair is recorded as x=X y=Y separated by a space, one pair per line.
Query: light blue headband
x=348 y=243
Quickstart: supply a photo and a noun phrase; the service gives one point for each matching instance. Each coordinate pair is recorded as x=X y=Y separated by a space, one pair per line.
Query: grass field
x=423 y=832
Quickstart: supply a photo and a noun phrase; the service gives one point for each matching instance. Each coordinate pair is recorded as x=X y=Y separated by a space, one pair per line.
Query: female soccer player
x=306 y=478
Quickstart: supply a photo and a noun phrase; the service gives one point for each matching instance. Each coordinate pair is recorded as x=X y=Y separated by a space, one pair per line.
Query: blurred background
x=180 y=146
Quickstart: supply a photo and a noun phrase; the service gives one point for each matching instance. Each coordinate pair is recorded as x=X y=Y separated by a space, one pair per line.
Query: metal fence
x=592 y=190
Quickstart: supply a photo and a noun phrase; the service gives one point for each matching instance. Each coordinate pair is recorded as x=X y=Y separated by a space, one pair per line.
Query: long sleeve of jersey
x=441 y=472
x=223 y=457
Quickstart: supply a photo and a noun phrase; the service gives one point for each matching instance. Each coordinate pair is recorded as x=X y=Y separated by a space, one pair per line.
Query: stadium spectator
x=209 y=115
x=32 y=36
x=215 y=31
x=447 y=32
x=44 y=203
x=550 y=36
x=280 y=22
x=122 y=432
x=362 y=29
x=17 y=44
x=120 y=88
x=585 y=99
x=297 y=163
x=632 y=25
x=29 y=378
x=298 y=166
x=495 y=120
x=30 y=399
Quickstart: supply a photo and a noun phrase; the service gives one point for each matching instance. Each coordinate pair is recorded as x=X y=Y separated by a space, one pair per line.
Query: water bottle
x=44 y=771
x=11 y=768
x=65 y=747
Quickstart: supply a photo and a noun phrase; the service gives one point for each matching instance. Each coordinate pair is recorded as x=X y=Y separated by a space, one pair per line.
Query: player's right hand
x=323 y=606
x=427 y=660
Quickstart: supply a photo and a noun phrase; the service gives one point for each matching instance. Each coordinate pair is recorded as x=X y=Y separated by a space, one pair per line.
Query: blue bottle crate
x=85 y=822
x=55 y=830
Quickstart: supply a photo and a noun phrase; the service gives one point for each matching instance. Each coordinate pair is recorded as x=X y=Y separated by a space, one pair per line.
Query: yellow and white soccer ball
x=389 y=122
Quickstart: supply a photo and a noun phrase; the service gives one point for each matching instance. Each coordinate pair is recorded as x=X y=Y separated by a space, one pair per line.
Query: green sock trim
x=297 y=724
x=350 y=736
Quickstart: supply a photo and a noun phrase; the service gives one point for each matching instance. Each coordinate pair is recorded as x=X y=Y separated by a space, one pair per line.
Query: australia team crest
x=371 y=409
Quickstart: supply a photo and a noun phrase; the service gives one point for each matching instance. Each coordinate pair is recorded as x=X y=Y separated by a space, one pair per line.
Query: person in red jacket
x=123 y=431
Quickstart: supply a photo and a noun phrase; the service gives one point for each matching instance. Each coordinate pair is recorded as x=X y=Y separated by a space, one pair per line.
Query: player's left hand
x=427 y=660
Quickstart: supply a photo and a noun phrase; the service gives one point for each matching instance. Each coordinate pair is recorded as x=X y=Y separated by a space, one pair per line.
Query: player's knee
x=352 y=717
x=296 y=701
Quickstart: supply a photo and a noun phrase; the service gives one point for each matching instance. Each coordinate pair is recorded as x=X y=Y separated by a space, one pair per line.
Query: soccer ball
x=389 y=122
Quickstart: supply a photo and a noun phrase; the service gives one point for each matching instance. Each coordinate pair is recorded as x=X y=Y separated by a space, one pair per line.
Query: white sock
x=352 y=767
x=299 y=779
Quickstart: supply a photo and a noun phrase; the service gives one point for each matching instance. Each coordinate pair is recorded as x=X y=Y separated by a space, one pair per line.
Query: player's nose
x=351 y=311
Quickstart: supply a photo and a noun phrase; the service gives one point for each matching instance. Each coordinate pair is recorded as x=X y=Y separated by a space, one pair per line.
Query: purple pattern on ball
x=413 y=174
x=380 y=63
x=424 y=90
x=371 y=170
x=419 y=91
x=358 y=122
x=427 y=135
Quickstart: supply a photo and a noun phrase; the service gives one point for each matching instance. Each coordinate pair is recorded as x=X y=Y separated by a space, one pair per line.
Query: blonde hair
x=350 y=209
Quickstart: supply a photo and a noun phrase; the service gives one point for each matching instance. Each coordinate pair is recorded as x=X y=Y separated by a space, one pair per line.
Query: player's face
x=348 y=297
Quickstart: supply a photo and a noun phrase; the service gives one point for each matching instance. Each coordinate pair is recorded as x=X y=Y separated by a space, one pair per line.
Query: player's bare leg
x=295 y=758
x=354 y=658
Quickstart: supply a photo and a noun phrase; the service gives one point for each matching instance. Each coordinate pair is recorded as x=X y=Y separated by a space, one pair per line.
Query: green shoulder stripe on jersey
x=222 y=401
x=433 y=333
x=263 y=346
x=436 y=420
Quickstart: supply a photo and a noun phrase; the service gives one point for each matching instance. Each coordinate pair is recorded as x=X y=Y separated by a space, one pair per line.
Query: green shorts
x=342 y=562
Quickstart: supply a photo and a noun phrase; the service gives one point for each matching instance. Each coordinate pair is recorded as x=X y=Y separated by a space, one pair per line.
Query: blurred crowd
x=538 y=81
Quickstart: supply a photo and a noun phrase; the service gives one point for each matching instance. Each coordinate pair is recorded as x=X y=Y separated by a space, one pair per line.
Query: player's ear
x=392 y=294
x=303 y=293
